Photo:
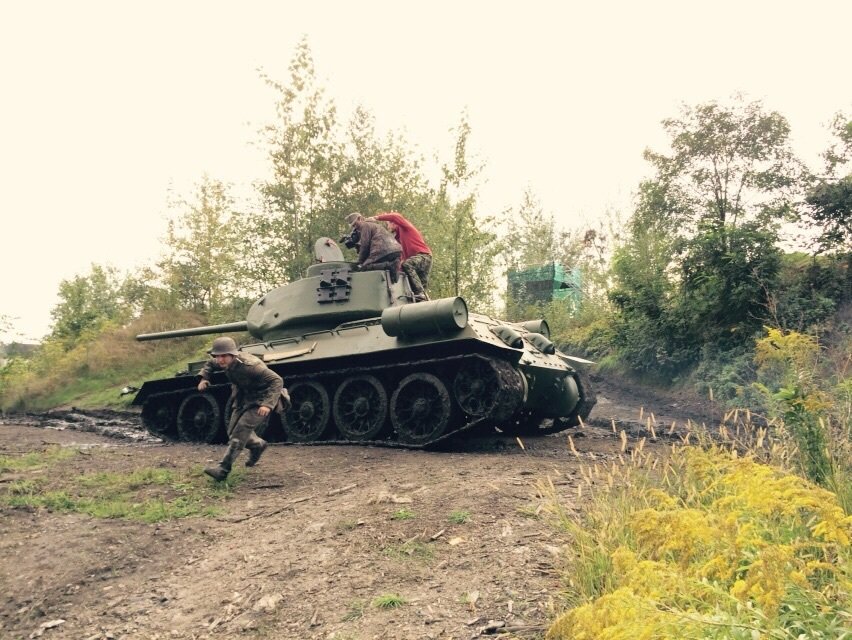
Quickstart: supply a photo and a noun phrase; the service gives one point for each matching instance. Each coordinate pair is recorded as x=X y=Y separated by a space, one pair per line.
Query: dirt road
x=312 y=542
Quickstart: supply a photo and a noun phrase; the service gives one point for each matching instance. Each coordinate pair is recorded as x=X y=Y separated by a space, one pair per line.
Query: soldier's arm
x=206 y=374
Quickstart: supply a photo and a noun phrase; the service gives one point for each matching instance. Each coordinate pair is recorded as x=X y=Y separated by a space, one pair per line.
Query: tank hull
x=364 y=363
x=430 y=381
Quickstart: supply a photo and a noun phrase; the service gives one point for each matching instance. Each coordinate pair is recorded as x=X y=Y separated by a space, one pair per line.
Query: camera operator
x=378 y=248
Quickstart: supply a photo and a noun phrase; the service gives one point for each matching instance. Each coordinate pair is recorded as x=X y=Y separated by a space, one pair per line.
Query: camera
x=351 y=240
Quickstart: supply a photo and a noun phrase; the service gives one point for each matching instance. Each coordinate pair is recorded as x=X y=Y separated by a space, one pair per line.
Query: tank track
x=462 y=392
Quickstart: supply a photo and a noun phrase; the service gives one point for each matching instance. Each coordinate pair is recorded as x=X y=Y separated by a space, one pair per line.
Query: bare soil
x=309 y=541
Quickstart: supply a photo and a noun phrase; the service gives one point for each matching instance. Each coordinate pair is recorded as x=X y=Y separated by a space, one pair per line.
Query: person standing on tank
x=378 y=249
x=256 y=391
x=416 y=254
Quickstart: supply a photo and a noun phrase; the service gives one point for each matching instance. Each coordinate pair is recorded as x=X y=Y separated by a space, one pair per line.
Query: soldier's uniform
x=253 y=385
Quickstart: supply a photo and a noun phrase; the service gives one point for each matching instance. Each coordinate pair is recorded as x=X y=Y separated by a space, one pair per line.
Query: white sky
x=106 y=104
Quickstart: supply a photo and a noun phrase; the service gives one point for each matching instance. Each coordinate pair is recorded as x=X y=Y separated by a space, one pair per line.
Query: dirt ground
x=309 y=540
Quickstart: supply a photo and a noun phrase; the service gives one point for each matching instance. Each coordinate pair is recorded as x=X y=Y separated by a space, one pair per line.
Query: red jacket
x=407 y=234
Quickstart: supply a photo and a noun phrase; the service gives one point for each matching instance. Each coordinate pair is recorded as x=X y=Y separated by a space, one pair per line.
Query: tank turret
x=364 y=363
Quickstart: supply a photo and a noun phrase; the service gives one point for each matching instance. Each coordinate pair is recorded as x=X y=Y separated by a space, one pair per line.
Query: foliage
x=700 y=260
x=706 y=545
x=90 y=303
x=305 y=158
x=459 y=516
x=808 y=292
x=464 y=245
x=532 y=236
x=389 y=601
x=829 y=199
x=103 y=362
x=728 y=164
x=146 y=494
x=788 y=378
x=199 y=269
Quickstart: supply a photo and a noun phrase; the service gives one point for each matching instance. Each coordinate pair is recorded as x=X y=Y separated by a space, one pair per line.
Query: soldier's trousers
x=390 y=262
x=417 y=269
x=242 y=427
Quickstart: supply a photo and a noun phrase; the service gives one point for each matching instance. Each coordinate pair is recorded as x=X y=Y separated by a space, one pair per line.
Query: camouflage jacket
x=253 y=384
x=376 y=243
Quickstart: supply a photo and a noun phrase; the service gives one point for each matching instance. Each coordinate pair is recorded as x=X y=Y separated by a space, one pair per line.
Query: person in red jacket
x=416 y=254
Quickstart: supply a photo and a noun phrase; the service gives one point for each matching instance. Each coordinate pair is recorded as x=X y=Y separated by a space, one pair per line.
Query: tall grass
x=708 y=543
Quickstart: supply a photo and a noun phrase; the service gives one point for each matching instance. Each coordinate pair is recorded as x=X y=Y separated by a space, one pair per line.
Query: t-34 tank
x=364 y=363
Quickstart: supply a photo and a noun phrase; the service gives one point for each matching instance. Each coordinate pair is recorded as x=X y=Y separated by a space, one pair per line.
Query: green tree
x=306 y=160
x=829 y=199
x=701 y=263
x=532 y=238
x=199 y=269
x=377 y=175
x=464 y=245
x=728 y=164
x=87 y=304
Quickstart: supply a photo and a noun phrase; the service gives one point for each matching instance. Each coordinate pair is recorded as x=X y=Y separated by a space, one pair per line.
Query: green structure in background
x=545 y=283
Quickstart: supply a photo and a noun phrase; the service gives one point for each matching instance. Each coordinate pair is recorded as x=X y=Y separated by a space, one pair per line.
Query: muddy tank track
x=433 y=400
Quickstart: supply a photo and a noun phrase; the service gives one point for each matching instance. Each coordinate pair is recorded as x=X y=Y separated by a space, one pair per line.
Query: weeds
x=146 y=494
x=355 y=610
x=38 y=459
x=402 y=514
x=709 y=543
x=388 y=601
x=459 y=517
x=410 y=550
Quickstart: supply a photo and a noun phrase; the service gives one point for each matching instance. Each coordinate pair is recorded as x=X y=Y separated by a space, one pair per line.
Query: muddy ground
x=310 y=538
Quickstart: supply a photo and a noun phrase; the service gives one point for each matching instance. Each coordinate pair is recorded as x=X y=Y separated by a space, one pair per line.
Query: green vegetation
x=146 y=494
x=388 y=601
x=707 y=544
x=693 y=288
x=355 y=610
x=410 y=550
x=459 y=516
x=35 y=460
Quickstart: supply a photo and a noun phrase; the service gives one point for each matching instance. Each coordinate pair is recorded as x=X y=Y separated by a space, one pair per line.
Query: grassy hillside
x=93 y=373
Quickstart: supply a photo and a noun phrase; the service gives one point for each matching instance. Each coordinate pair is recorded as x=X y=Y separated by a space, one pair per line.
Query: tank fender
x=446 y=316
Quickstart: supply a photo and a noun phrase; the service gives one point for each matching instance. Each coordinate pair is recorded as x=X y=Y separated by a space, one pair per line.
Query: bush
x=708 y=545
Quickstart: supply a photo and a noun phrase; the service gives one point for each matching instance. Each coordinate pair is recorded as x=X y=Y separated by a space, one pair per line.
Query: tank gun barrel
x=231 y=327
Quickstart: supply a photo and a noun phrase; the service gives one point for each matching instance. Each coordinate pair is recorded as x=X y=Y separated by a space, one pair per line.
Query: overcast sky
x=107 y=105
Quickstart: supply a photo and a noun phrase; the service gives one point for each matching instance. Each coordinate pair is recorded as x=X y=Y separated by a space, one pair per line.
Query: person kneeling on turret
x=256 y=391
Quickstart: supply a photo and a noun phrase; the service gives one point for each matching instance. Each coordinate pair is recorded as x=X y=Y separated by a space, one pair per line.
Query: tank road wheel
x=476 y=387
x=308 y=418
x=490 y=388
x=420 y=409
x=199 y=418
x=360 y=408
x=158 y=417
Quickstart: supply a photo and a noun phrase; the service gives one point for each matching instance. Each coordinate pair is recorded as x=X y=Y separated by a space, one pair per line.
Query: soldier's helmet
x=352 y=218
x=222 y=346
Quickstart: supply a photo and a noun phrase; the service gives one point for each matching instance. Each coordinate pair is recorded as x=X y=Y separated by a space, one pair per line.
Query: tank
x=364 y=363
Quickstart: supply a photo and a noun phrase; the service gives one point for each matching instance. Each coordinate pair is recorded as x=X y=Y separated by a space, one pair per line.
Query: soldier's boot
x=221 y=470
x=255 y=451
